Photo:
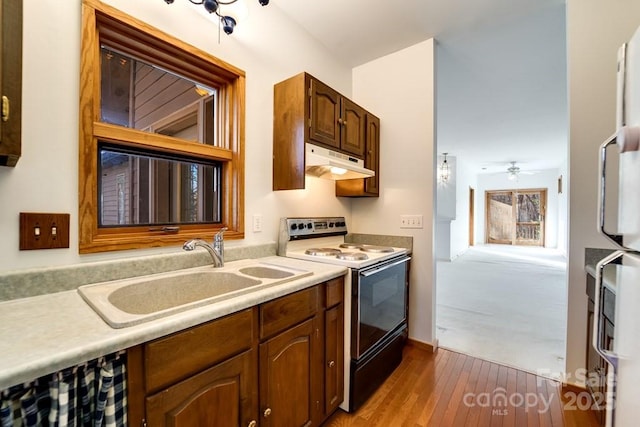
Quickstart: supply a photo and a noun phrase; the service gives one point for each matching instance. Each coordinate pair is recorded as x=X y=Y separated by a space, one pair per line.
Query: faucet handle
x=219 y=235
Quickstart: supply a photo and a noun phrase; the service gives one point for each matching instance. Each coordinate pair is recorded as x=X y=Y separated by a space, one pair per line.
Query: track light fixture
x=228 y=23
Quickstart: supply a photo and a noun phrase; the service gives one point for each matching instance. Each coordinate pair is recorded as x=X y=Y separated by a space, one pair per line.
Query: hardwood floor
x=445 y=389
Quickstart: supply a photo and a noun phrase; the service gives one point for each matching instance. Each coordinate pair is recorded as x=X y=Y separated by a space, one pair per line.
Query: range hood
x=328 y=164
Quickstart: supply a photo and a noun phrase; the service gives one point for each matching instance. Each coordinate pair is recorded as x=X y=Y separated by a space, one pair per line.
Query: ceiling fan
x=514 y=171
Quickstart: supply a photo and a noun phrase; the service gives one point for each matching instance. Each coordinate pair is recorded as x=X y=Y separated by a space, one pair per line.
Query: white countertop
x=43 y=334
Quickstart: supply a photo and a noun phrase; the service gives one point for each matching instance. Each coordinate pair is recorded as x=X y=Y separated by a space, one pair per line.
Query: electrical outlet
x=411 y=221
x=43 y=231
x=257 y=223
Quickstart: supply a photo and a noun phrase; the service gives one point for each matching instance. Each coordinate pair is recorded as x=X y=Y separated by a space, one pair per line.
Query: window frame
x=103 y=24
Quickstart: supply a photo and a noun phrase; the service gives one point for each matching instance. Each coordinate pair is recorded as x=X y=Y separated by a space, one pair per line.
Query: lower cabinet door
x=224 y=395
x=288 y=393
x=334 y=358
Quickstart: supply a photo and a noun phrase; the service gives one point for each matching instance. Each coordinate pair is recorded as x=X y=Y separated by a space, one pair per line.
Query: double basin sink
x=128 y=302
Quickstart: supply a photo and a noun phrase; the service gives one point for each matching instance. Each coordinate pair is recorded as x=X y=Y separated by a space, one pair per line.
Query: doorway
x=516 y=217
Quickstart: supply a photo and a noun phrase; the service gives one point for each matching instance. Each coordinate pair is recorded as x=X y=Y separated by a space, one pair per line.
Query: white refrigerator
x=623 y=396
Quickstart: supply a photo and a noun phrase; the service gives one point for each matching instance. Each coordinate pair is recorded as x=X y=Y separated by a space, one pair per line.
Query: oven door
x=379 y=303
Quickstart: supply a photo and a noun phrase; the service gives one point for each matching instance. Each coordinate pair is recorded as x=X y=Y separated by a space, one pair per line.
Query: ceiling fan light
x=210 y=5
x=228 y=24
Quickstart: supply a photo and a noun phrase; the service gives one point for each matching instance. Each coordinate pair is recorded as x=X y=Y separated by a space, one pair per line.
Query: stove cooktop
x=333 y=250
x=322 y=240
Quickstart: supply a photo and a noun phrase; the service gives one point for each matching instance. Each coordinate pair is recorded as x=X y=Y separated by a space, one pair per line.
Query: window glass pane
x=142 y=96
x=142 y=189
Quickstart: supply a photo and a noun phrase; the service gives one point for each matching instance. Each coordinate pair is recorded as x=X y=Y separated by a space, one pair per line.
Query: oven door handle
x=367 y=273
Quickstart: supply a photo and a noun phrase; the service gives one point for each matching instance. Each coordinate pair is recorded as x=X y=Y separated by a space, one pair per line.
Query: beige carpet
x=505 y=304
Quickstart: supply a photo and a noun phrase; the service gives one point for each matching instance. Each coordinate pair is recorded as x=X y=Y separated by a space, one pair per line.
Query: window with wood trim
x=161 y=137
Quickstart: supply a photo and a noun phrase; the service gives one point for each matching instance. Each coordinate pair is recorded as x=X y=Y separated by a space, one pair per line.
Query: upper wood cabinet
x=307 y=110
x=10 y=82
x=336 y=121
x=365 y=187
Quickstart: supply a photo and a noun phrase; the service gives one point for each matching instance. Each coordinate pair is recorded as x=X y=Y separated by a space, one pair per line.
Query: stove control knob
x=294 y=226
x=330 y=225
x=309 y=226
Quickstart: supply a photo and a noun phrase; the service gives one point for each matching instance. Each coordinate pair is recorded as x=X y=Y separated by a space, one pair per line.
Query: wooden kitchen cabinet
x=307 y=110
x=334 y=346
x=288 y=383
x=221 y=396
x=336 y=122
x=205 y=375
x=365 y=187
x=276 y=364
x=10 y=82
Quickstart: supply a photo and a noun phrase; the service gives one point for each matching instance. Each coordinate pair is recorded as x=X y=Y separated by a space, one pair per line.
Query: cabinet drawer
x=284 y=312
x=334 y=291
x=173 y=358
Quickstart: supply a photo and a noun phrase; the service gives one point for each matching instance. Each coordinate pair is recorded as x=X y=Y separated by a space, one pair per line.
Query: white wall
x=595 y=31
x=459 y=230
x=445 y=208
x=265 y=45
x=399 y=88
x=544 y=179
x=563 y=209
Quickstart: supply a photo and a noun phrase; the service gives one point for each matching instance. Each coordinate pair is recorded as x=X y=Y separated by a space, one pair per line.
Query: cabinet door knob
x=340 y=120
x=253 y=423
x=332 y=364
x=5 y=108
x=267 y=412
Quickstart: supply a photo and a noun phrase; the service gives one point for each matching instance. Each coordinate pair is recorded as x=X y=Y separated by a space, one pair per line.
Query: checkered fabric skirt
x=92 y=394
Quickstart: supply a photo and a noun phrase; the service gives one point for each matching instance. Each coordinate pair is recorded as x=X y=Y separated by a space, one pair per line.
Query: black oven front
x=378 y=304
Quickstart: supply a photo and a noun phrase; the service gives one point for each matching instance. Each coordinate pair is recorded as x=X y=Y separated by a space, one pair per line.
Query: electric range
x=375 y=300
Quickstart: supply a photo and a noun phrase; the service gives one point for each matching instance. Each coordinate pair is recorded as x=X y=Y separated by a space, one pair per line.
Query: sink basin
x=153 y=295
x=127 y=302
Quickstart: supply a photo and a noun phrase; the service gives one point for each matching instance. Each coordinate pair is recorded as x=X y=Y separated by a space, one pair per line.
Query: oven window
x=381 y=303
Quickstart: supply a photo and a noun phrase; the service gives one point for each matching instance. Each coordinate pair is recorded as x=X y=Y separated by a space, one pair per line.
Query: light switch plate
x=44 y=230
x=257 y=223
x=411 y=221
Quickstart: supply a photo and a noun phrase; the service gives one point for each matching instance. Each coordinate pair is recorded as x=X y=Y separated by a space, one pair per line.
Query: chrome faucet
x=216 y=250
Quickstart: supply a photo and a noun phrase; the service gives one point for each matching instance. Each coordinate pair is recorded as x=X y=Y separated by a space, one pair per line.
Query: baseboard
x=421 y=345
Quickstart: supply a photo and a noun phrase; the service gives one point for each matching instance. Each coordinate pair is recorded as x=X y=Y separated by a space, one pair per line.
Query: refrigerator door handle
x=615 y=238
